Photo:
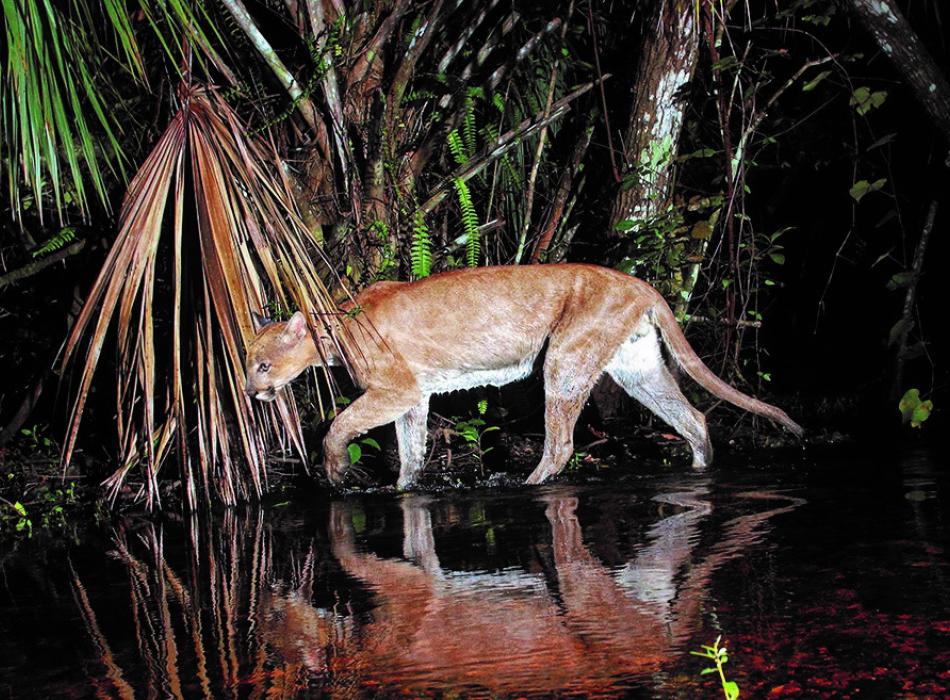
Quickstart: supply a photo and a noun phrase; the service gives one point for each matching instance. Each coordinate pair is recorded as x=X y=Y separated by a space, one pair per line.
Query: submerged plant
x=719 y=656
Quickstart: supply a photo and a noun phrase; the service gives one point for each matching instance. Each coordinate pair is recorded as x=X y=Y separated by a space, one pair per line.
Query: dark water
x=825 y=580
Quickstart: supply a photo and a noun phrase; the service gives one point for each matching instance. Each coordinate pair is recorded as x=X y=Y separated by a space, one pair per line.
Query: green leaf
x=19 y=508
x=731 y=690
x=909 y=401
x=863 y=100
x=883 y=141
x=370 y=442
x=355 y=452
x=913 y=410
x=863 y=187
x=778 y=258
x=812 y=84
x=921 y=413
x=900 y=280
x=818 y=20
x=626 y=225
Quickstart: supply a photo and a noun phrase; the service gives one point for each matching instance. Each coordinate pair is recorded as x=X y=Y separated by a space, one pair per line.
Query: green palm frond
x=180 y=293
x=48 y=105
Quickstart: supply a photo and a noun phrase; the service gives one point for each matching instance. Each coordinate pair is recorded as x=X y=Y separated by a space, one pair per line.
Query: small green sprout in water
x=913 y=410
x=720 y=656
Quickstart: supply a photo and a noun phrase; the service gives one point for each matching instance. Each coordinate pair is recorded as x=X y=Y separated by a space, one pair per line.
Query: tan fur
x=487 y=325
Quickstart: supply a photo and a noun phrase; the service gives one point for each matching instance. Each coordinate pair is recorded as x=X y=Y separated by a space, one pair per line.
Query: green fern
x=60 y=240
x=457 y=148
x=498 y=101
x=420 y=252
x=469 y=128
x=469 y=223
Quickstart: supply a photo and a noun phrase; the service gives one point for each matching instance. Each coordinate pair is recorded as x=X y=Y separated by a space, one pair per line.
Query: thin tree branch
x=287 y=80
x=542 y=140
x=897 y=39
x=40 y=265
x=560 y=199
x=905 y=323
x=331 y=90
x=454 y=50
x=603 y=96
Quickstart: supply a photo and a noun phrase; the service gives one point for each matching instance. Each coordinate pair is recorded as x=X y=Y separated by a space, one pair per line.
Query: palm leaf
x=47 y=103
x=179 y=294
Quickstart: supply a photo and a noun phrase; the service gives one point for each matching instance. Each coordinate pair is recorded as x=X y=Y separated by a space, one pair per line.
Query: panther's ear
x=296 y=329
x=260 y=322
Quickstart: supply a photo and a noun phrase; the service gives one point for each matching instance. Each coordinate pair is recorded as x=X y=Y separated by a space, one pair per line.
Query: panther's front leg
x=374 y=408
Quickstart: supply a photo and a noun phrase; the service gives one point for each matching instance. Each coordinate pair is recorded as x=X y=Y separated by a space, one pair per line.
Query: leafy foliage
x=421 y=253
x=913 y=410
x=48 y=105
x=469 y=222
x=720 y=656
x=64 y=237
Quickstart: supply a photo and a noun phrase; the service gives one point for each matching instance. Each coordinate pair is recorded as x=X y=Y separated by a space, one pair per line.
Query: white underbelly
x=445 y=380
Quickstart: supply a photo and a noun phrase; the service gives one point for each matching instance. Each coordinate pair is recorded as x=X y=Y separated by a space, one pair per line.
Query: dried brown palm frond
x=179 y=287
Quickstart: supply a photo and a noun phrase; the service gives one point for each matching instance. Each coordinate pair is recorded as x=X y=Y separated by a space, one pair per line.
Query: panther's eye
x=263 y=367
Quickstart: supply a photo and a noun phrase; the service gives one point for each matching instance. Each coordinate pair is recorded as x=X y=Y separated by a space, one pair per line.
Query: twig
x=539 y=150
x=267 y=52
x=905 y=320
x=35 y=267
x=560 y=199
x=723 y=321
x=603 y=95
x=23 y=411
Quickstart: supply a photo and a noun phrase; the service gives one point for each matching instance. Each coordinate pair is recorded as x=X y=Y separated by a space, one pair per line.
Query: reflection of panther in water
x=505 y=631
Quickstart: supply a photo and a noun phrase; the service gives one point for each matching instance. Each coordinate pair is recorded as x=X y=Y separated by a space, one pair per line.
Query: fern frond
x=469 y=222
x=469 y=128
x=63 y=238
x=456 y=148
x=420 y=253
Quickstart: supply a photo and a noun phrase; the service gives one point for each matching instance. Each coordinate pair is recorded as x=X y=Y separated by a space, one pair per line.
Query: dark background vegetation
x=823 y=299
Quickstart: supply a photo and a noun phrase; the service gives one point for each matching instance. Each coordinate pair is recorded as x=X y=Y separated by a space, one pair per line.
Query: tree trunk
x=897 y=39
x=651 y=140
